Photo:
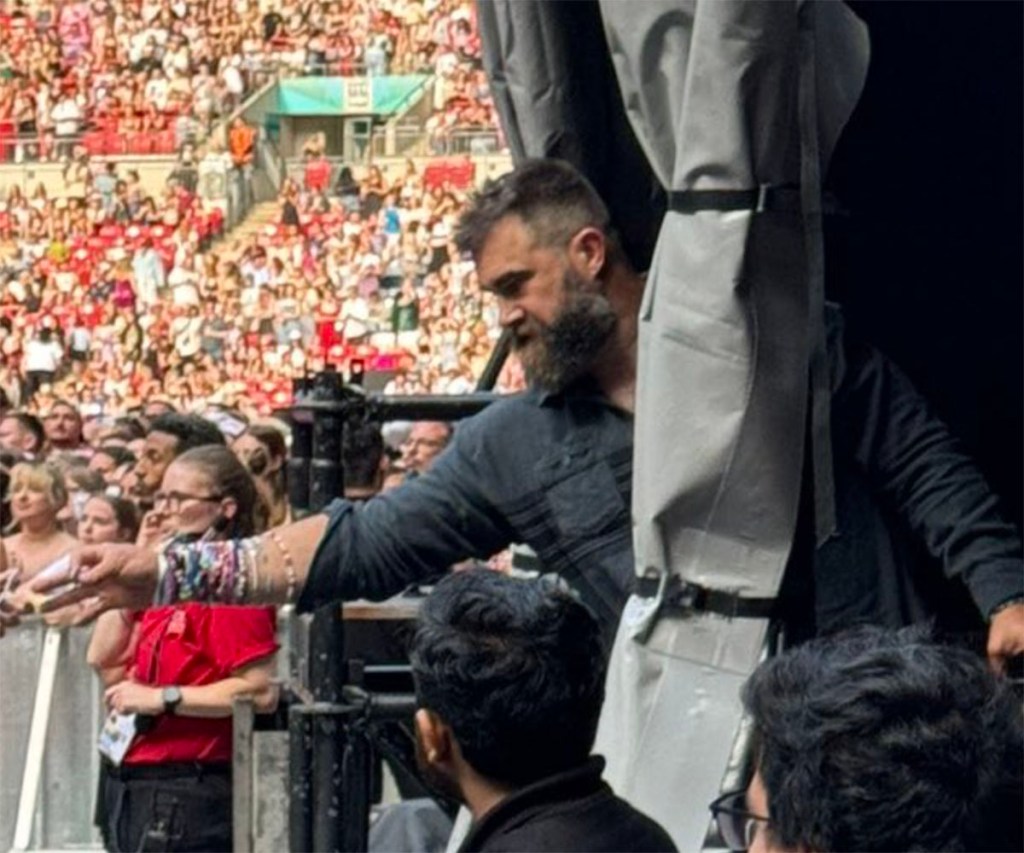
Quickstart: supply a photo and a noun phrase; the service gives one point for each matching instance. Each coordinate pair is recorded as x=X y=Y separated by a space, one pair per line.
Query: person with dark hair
x=108 y=519
x=879 y=740
x=263 y=451
x=183 y=666
x=22 y=432
x=169 y=436
x=111 y=461
x=509 y=681
x=362 y=455
x=155 y=408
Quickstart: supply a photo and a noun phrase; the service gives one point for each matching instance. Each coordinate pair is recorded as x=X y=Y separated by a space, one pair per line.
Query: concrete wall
x=153 y=172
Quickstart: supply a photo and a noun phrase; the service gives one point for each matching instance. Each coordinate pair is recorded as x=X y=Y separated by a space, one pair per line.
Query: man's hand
x=1006 y=636
x=10 y=609
x=122 y=576
x=130 y=697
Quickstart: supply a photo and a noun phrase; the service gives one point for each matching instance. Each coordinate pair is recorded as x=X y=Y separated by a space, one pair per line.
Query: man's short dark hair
x=361 y=452
x=190 y=430
x=515 y=668
x=886 y=740
x=31 y=424
x=118 y=455
x=553 y=199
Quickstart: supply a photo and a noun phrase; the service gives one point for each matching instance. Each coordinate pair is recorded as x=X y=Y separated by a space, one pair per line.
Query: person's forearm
x=110 y=644
x=215 y=700
x=267 y=569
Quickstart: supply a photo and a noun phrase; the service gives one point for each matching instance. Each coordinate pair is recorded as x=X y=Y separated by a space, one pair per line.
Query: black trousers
x=165 y=807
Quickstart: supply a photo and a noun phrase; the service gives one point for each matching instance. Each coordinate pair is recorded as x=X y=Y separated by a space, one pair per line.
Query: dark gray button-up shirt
x=555 y=470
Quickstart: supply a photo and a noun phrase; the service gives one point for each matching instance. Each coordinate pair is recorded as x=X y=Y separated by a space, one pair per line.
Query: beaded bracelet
x=289 y=565
x=204 y=571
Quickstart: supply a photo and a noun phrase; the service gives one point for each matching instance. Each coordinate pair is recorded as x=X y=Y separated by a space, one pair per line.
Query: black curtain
x=929 y=264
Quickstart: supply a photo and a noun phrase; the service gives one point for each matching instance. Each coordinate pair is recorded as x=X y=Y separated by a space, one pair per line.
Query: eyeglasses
x=737 y=826
x=173 y=500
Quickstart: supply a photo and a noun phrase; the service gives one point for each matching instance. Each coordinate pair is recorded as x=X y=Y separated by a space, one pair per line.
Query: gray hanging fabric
x=738 y=106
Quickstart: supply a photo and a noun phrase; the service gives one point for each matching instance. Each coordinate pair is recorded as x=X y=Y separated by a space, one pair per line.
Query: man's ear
x=435 y=738
x=588 y=250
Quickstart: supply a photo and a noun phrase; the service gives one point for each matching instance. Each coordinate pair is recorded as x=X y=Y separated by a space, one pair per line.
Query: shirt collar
x=572 y=784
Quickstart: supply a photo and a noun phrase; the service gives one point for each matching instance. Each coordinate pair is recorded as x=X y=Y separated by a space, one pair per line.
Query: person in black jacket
x=510 y=680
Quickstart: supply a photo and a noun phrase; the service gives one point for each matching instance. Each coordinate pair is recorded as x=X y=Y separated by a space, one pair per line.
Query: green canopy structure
x=334 y=96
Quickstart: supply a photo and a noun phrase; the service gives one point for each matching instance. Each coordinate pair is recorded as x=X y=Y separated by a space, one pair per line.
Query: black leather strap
x=691 y=597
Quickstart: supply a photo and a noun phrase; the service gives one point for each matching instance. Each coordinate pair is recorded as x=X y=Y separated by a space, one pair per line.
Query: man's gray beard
x=566 y=350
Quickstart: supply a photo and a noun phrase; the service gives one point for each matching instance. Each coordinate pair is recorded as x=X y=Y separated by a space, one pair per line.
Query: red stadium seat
x=113 y=143
x=140 y=143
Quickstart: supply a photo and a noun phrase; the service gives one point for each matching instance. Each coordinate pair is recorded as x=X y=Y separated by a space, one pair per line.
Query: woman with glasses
x=173 y=673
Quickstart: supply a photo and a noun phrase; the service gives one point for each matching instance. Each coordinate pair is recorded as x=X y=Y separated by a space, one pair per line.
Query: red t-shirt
x=192 y=645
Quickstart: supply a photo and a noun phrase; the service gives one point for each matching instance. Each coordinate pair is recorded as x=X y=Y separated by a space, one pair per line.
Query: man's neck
x=481 y=795
x=615 y=369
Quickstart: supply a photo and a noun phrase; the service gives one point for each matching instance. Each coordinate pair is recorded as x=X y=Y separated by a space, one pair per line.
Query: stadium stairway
x=260 y=216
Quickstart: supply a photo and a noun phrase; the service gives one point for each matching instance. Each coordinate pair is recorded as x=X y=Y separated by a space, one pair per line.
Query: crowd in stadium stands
x=147 y=76
x=114 y=297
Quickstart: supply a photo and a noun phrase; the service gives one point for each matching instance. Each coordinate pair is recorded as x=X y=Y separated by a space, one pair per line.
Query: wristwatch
x=172 y=699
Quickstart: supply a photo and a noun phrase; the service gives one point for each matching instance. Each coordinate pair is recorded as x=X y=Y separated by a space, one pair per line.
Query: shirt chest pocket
x=582 y=494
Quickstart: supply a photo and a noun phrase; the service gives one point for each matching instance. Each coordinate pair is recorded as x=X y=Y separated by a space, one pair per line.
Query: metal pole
x=301 y=450
x=498 y=357
x=300 y=801
x=326 y=635
x=242 y=783
x=355 y=805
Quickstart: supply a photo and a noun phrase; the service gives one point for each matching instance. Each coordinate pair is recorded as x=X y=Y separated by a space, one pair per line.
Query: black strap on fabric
x=779 y=199
x=691 y=597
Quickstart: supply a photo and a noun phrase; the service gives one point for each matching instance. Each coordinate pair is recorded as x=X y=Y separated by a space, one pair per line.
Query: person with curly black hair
x=510 y=680
x=879 y=740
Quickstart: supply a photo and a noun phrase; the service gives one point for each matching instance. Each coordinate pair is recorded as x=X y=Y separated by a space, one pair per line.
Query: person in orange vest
x=242 y=147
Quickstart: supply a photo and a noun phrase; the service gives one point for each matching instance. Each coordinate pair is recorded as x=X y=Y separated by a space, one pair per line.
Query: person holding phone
x=172 y=674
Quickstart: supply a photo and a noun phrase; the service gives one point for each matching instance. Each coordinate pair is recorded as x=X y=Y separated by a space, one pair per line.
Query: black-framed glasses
x=172 y=501
x=736 y=825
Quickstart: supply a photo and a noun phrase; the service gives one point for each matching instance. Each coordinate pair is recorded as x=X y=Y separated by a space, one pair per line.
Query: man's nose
x=509 y=313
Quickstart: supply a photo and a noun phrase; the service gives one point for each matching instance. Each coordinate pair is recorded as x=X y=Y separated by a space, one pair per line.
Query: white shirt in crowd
x=42 y=356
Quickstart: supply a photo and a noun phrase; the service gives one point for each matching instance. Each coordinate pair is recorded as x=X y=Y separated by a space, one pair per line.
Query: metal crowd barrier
x=48 y=759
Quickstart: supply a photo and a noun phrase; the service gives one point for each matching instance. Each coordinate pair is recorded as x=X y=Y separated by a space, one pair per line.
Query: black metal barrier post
x=326 y=633
x=331 y=739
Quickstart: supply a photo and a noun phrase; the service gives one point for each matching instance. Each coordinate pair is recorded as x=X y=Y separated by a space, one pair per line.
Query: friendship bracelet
x=289 y=565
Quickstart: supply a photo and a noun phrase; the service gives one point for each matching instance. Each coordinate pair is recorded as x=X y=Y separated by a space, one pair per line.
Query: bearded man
x=552 y=468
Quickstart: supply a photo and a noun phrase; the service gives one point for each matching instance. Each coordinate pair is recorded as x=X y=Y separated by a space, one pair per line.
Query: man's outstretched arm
x=371 y=550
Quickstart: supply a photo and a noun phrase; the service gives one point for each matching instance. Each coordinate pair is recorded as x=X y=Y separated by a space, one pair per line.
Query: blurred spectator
x=169 y=436
x=108 y=519
x=364 y=460
x=43 y=357
x=426 y=441
x=262 y=449
x=37 y=495
x=63 y=425
x=22 y=432
x=242 y=147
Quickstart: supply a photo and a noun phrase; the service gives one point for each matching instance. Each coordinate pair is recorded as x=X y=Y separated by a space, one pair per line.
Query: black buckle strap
x=694 y=598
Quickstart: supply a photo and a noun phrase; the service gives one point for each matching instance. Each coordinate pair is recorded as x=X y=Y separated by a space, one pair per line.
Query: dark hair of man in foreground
x=886 y=740
x=510 y=681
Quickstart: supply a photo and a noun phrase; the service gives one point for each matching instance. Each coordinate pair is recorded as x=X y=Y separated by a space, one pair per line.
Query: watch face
x=172 y=698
